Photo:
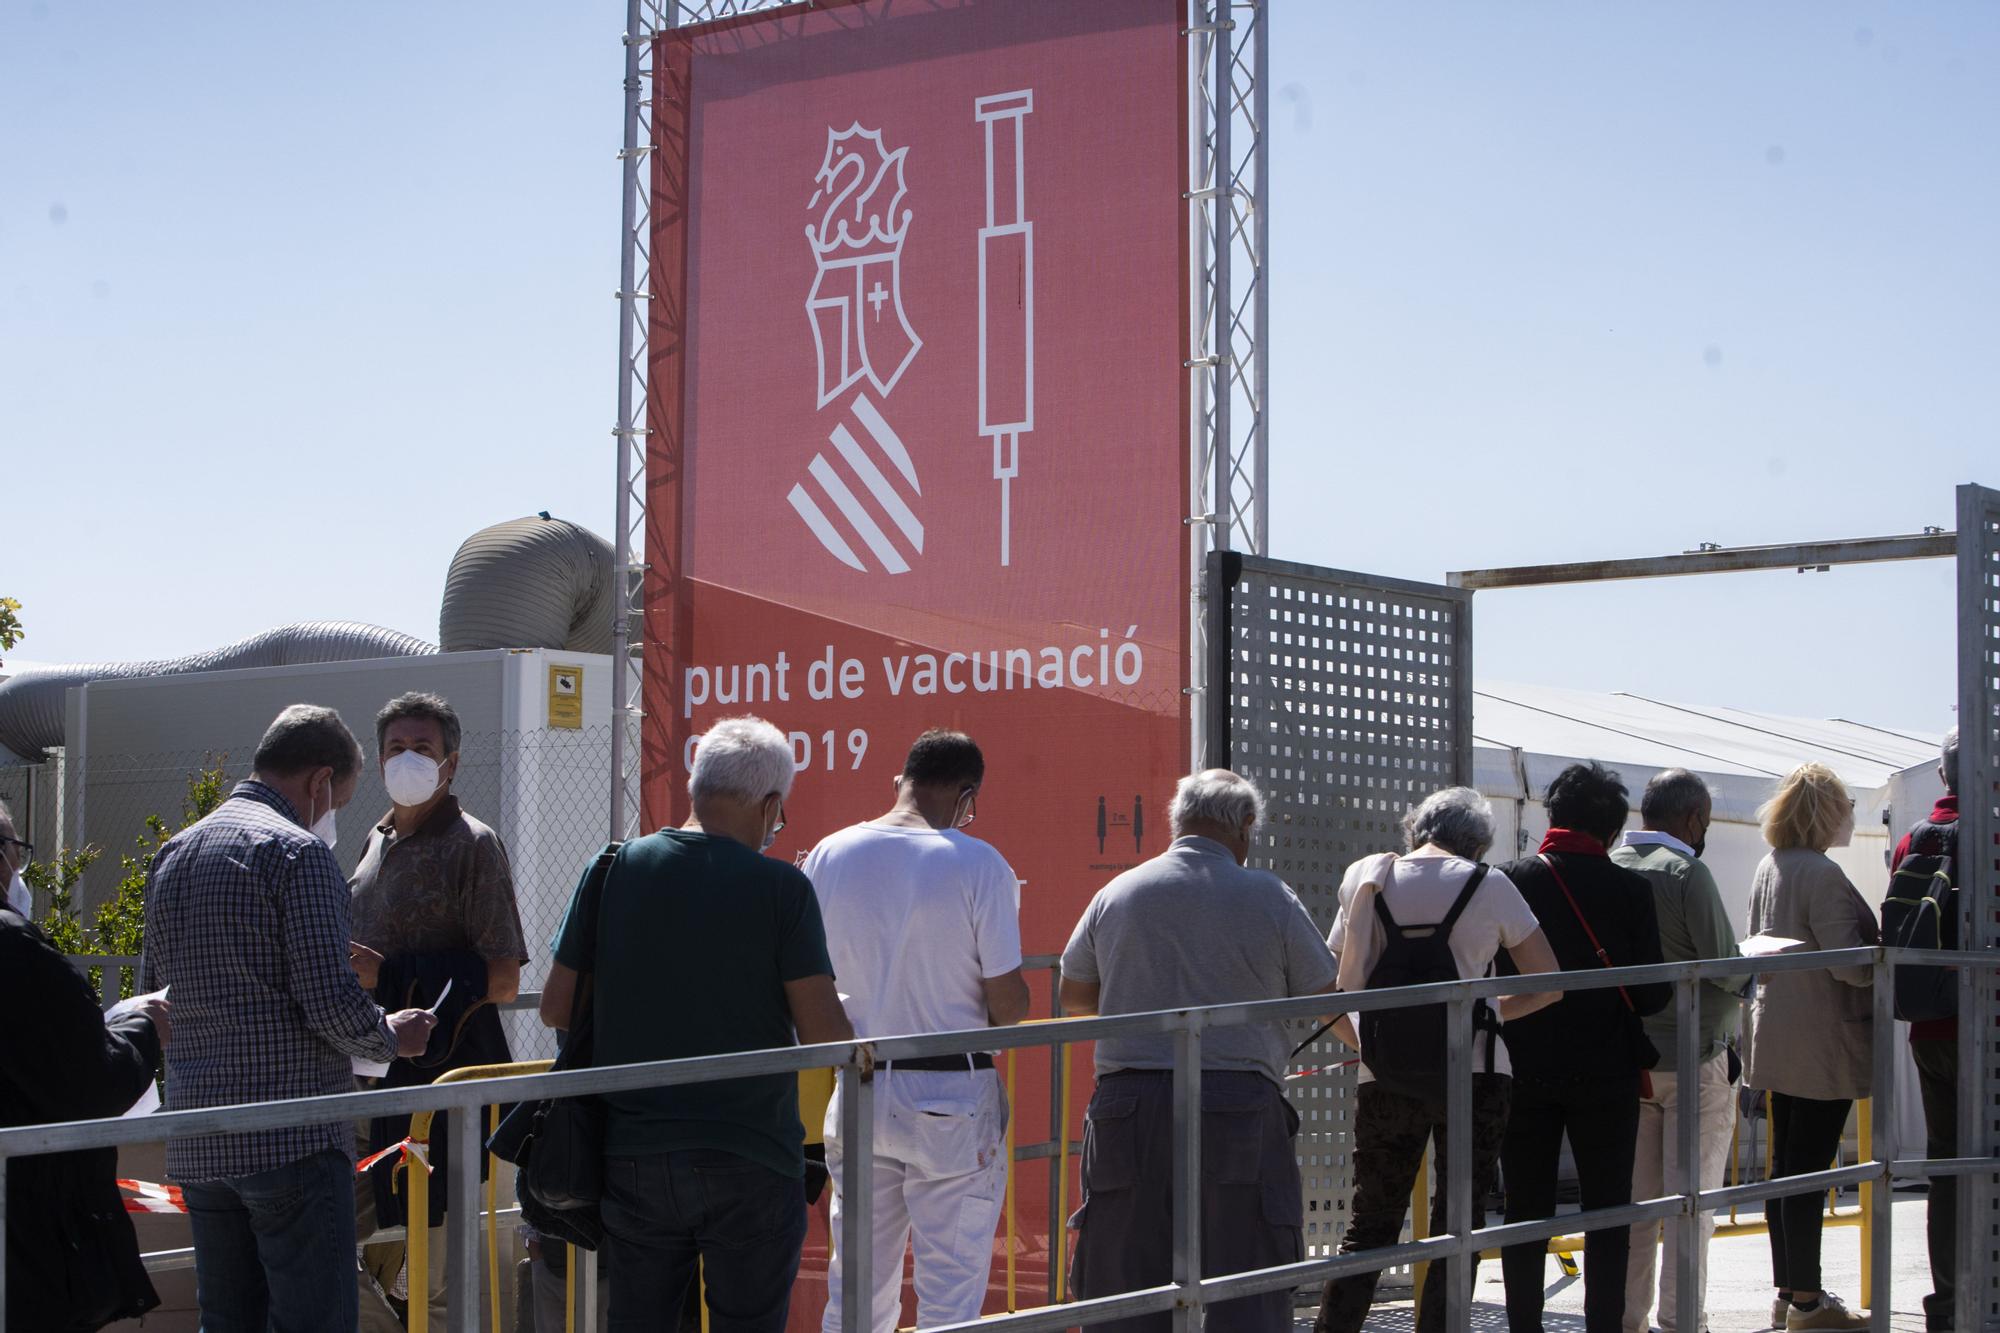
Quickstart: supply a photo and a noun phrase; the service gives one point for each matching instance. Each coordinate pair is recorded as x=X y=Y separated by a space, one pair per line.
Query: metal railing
x=1187 y=1292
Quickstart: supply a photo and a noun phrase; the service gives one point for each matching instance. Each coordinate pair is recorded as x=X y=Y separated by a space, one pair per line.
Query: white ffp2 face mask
x=411 y=778
x=19 y=898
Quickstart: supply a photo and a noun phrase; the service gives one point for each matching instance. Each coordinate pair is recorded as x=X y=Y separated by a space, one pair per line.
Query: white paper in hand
x=123 y=1007
x=149 y=1102
x=1763 y=946
x=377 y=1068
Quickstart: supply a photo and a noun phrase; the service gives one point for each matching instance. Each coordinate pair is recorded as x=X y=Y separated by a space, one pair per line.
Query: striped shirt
x=247 y=920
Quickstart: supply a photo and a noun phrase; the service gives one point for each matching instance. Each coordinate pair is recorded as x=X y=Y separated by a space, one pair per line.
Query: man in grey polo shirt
x=1193 y=926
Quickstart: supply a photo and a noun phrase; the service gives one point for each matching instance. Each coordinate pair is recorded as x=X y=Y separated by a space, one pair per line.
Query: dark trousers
x=1937 y=1079
x=1601 y=1119
x=1252 y=1210
x=276 y=1250
x=1805 y=1136
x=1391 y=1132
x=663 y=1211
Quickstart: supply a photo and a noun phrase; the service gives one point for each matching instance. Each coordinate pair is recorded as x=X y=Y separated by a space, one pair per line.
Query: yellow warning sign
x=566 y=697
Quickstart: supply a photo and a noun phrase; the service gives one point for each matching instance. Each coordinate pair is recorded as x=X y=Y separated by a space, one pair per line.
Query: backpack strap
x=1603 y=958
x=1464 y=897
x=1381 y=907
x=589 y=904
x=1483 y=1017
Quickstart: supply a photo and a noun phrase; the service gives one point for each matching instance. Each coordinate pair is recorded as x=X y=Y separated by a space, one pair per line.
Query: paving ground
x=1739 y=1284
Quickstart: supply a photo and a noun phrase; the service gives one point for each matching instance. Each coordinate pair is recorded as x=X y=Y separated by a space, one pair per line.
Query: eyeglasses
x=779 y=827
x=27 y=847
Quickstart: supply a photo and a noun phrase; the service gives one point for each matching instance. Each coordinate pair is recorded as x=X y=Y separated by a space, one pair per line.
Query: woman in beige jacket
x=1810 y=1037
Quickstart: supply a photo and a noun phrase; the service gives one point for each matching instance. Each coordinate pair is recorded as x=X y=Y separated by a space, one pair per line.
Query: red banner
x=920 y=418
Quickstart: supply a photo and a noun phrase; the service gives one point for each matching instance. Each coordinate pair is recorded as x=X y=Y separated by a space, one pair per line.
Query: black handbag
x=1645 y=1055
x=559 y=1142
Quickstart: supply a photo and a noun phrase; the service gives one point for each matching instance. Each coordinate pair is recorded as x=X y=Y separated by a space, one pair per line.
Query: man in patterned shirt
x=247 y=920
x=433 y=896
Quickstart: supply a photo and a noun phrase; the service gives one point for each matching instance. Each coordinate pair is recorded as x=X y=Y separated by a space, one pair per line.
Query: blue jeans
x=275 y=1251
x=745 y=1223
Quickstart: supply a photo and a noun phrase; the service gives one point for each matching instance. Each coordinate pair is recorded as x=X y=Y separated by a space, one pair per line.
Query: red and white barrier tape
x=1324 y=1069
x=408 y=1147
x=143 y=1196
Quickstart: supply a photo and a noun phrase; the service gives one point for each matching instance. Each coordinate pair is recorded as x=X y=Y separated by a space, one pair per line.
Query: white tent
x=1525 y=734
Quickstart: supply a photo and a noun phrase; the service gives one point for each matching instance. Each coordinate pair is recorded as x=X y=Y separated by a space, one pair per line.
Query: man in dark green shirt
x=704 y=946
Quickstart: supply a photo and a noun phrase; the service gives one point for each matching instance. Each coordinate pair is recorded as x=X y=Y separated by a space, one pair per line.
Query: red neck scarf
x=1576 y=844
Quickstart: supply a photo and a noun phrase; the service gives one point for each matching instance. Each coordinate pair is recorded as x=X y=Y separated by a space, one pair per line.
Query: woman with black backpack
x=1434 y=914
x=1579 y=1066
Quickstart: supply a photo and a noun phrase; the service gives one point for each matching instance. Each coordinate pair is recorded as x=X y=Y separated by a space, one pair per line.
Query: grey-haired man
x=1193 y=926
x=702 y=945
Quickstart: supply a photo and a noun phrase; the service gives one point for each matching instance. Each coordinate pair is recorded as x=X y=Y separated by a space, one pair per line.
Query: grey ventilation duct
x=529 y=583
x=31 y=704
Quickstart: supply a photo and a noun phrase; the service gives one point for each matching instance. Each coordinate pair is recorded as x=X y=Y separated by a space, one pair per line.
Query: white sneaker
x=1830 y=1313
x=1779 y=1309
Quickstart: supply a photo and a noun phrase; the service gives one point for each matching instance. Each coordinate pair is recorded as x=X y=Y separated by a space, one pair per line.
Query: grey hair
x=1457 y=819
x=1948 y=760
x=1673 y=794
x=743 y=757
x=7 y=814
x=304 y=737
x=1215 y=796
x=428 y=707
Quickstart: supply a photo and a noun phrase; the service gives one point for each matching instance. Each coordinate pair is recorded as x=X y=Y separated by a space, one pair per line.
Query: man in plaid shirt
x=247 y=920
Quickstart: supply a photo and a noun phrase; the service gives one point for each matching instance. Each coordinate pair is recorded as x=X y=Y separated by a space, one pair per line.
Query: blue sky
x=294 y=298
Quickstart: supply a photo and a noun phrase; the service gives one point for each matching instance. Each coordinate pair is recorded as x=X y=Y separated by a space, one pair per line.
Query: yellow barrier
x=1566 y=1247
x=1012 y=1305
x=417 y=1210
x=493 y=1222
x=816 y=1091
x=1059 y=1221
x=1420 y=1225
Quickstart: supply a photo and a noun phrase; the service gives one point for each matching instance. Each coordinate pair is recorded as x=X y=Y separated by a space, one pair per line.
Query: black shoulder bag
x=1645 y=1055
x=559 y=1143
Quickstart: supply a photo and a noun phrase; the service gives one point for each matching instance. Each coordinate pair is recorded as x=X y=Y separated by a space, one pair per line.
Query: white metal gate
x=1979 y=879
x=1347 y=698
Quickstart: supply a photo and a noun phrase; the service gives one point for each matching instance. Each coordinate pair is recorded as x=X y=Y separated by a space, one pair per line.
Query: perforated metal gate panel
x=1347 y=698
x=1979 y=871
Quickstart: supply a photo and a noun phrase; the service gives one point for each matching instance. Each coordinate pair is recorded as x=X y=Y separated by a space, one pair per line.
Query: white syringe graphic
x=1006 y=295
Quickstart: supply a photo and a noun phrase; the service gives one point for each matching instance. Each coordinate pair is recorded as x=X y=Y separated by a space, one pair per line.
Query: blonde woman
x=1810 y=1043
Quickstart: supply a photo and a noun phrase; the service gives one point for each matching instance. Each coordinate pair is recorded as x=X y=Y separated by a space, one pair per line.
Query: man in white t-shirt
x=923 y=925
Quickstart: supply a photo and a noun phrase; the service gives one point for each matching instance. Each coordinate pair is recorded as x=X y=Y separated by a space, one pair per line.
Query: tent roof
x=1740 y=751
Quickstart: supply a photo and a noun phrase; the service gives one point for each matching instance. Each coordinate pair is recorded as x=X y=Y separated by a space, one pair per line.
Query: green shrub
x=120 y=926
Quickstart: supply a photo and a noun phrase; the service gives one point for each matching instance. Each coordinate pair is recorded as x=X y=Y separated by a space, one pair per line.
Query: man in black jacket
x=72 y=1256
x=1578 y=1063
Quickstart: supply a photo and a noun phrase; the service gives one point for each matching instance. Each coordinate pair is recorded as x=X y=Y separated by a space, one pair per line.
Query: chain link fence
x=545 y=792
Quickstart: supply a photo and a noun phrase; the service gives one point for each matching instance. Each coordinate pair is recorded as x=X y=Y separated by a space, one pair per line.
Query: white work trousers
x=940 y=1180
x=1656 y=1170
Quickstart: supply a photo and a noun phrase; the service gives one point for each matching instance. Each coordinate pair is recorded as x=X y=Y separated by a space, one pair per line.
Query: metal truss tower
x=1228 y=326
